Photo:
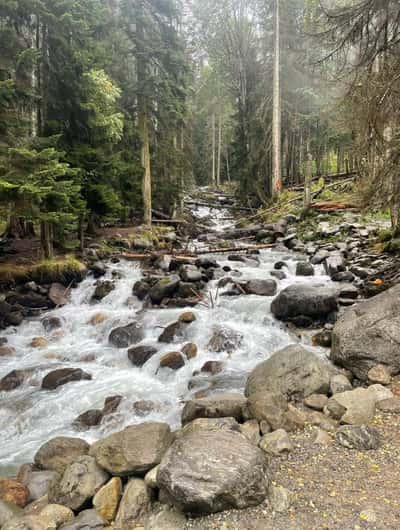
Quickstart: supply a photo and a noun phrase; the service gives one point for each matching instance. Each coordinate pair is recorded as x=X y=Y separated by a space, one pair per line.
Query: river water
x=30 y=416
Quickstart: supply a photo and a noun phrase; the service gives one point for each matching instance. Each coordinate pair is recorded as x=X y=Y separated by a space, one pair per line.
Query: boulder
x=172 y=360
x=80 y=482
x=359 y=437
x=369 y=334
x=9 y=511
x=139 y=355
x=135 y=505
x=29 y=522
x=316 y=401
x=7 y=351
x=58 y=453
x=219 y=406
x=125 y=336
x=173 y=332
x=335 y=263
x=190 y=350
x=39 y=342
x=292 y=371
x=323 y=339
x=208 y=472
x=251 y=429
x=103 y=289
x=209 y=424
x=106 y=500
x=51 y=323
x=270 y=407
x=307 y=300
x=57 y=514
x=358 y=406
x=190 y=273
x=304 y=268
x=141 y=289
x=165 y=518
x=14 y=492
x=134 y=450
x=280 y=499
x=88 y=419
x=14 y=379
x=38 y=483
x=62 y=376
x=86 y=520
x=187 y=318
x=390 y=405
x=260 y=287
x=164 y=288
x=339 y=383
x=380 y=374
x=276 y=443
x=224 y=339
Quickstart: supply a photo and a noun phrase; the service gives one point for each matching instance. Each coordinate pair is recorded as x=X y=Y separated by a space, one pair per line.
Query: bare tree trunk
x=228 y=170
x=46 y=239
x=277 y=112
x=213 y=179
x=307 y=181
x=219 y=150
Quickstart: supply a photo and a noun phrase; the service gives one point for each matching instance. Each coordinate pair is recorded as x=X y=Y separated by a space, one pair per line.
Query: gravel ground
x=333 y=488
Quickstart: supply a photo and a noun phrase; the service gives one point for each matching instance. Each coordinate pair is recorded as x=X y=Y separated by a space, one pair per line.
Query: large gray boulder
x=164 y=288
x=134 y=450
x=369 y=334
x=219 y=406
x=293 y=372
x=208 y=472
x=125 y=336
x=80 y=482
x=135 y=505
x=58 y=453
x=315 y=301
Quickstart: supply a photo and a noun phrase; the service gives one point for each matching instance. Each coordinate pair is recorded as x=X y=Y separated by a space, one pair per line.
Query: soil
x=333 y=488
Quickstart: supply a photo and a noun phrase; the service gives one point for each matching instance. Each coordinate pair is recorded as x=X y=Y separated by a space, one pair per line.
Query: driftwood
x=141 y=256
x=332 y=206
x=235 y=249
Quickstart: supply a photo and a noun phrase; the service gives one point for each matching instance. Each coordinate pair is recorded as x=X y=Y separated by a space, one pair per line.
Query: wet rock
x=187 y=318
x=346 y=291
x=335 y=263
x=235 y=469
x=319 y=257
x=190 y=350
x=164 y=288
x=103 y=289
x=39 y=342
x=212 y=367
x=144 y=407
x=139 y=355
x=58 y=294
x=9 y=511
x=323 y=339
x=172 y=332
x=125 y=336
x=309 y=300
x=14 y=492
x=135 y=505
x=345 y=276
x=38 y=483
x=98 y=269
x=141 y=289
x=316 y=401
x=14 y=379
x=111 y=404
x=172 y=360
x=88 y=419
x=368 y=334
x=206 y=263
x=380 y=374
x=30 y=300
x=391 y=405
x=187 y=290
x=209 y=424
x=224 y=339
x=359 y=437
x=304 y=268
x=7 y=351
x=339 y=383
x=276 y=443
x=58 y=453
x=135 y=450
x=51 y=323
x=62 y=376
x=57 y=514
x=358 y=404
x=220 y=406
x=190 y=273
x=97 y=319
x=260 y=287
x=86 y=520
x=79 y=483
x=292 y=371
x=279 y=275
x=106 y=500
x=164 y=263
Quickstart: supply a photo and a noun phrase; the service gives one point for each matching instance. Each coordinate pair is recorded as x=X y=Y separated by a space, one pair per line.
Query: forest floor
x=331 y=489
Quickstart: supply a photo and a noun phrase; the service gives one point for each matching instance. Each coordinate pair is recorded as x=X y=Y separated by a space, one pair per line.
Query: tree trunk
x=219 y=150
x=15 y=228
x=46 y=239
x=307 y=181
x=277 y=112
x=213 y=127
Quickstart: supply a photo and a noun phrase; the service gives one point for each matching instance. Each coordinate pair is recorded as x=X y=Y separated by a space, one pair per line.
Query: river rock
x=164 y=288
x=270 y=407
x=190 y=350
x=172 y=360
x=369 y=334
x=209 y=472
x=106 y=500
x=58 y=453
x=165 y=518
x=251 y=429
x=280 y=498
x=134 y=450
x=335 y=263
x=14 y=379
x=125 y=336
x=316 y=301
x=7 y=351
x=58 y=294
x=62 y=376
x=208 y=424
x=51 y=323
x=380 y=374
x=88 y=419
x=292 y=371
x=323 y=338
x=79 y=483
x=38 y=483
x=172 y=332
x=224 y=339
x=380 y=392
x=57 y=514
x=304 y=268
x=139 y=355
x=103 y=289
x=279 y=275
x=14 y=492
x=135 y=505
x=359 y=437
x=390 y=405
x=29 y=522
x=190 y=273
x=316 y=401
x=260 y=287
x=276 y=443
x=9 y=511
x=339 y=383
x=358 y=404
x=212 y=367
x=86 y=520
x=219 y=406
x=141 y=289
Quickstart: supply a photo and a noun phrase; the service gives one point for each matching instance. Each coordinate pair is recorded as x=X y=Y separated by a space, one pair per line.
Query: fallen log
x=332 y=206
x=236 y=249
x=141 y=256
